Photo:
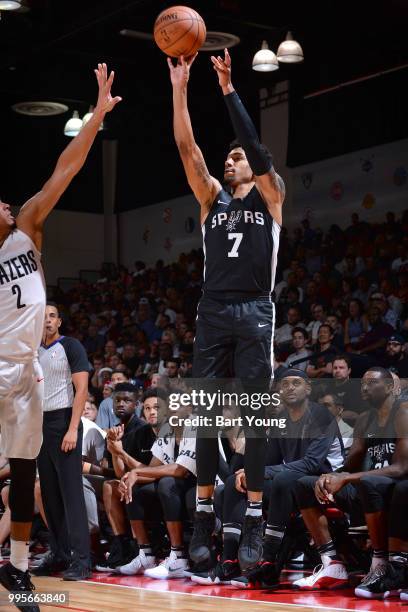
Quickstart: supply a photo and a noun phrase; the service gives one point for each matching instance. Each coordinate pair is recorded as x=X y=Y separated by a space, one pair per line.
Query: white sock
x=19 y=554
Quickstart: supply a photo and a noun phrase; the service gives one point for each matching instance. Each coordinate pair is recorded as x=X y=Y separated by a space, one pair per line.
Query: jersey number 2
x=17 y=289
x=237 y=241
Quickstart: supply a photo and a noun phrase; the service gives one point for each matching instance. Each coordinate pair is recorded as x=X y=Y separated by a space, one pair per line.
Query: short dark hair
x=120 y=372
x=53 y=305
x=385 y=374
x=154 y=392
x=125 y=387
x=343 y=357
x=175 y=360
x=329 y=326
x=301 y=330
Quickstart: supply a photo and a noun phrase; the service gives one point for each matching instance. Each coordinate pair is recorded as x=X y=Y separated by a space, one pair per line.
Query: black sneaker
x=49 y=565
x=384 y=581
x=119 y=555
x=264 y=576
x=250 y=549
x=76 y=571
x=222 y=573
x=16 y=581
x=200 y=543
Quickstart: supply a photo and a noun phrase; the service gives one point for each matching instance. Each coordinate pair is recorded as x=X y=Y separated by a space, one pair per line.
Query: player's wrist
x=227 y=89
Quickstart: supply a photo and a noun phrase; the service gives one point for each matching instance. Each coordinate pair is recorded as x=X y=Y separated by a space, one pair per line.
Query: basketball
x=179 y=30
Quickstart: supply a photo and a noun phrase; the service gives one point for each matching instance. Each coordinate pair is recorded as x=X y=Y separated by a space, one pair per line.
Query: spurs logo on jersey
x=241 y=242
x=22 y=299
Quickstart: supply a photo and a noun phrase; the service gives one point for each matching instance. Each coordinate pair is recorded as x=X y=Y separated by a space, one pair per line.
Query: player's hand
x=114 y=447
x=105 y=101
x=70 y=440
x=322 y=495
x=223 y=69
x=180 y=73
x=115 y=433
x=334 y=482
x=240 y=481
x=126 y=485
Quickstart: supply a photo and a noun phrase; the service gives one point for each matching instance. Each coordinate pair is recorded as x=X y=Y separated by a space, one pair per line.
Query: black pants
x=168 y=499
x=62 y=491
x=370 y=494
x=279 y=499
x=234 y=339
x=398 y=513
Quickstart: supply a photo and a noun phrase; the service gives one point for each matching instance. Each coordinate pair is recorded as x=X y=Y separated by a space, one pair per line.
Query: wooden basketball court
x=127 y=594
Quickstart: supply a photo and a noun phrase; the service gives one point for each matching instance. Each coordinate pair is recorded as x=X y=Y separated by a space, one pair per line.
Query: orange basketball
x=179 y=30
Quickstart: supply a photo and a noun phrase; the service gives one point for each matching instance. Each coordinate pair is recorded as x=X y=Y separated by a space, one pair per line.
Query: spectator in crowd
x=319 y=316
x=298 y=359
x=388 y=315
x=363 y=291
x=376 y=338
x=333 y=320
x=356 y=324
x=320 y=364
x=90 y=410
x=283 y=334
x=334 y=403
x=106 y=415
x=172 y=367
x=395 y=355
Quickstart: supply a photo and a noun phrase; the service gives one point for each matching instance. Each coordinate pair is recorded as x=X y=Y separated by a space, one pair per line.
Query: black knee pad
x=21 y=498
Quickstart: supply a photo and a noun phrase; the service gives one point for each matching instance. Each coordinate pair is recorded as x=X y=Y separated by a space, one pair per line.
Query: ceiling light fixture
x=73 y=126
x=265 y=60
x=10 y=5
x=290 y=51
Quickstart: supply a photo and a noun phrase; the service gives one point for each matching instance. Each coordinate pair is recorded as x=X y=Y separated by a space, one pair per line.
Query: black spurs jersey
x=241 y=242
x=381 y=441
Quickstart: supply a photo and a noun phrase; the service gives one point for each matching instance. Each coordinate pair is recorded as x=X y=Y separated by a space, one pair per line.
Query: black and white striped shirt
x=59 y=360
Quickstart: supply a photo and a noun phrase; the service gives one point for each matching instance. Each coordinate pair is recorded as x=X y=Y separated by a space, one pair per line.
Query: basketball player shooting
x=235 y=322
x=22 y=308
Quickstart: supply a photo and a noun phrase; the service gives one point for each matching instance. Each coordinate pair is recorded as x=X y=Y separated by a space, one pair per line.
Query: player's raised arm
x=268 y=181
x=204 y=186
x=35 y=211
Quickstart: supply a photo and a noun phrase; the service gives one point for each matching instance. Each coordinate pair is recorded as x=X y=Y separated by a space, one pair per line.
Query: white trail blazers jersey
x=22 y=299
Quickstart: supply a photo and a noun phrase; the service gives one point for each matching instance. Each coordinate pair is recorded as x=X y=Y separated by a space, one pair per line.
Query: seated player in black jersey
x=235 y=321
x=381 y=434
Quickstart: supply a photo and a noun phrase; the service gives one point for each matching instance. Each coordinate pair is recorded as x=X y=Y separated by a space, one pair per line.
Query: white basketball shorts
x=21 y=400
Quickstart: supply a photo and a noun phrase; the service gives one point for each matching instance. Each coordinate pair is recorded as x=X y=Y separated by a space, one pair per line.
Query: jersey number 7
x=237 y=238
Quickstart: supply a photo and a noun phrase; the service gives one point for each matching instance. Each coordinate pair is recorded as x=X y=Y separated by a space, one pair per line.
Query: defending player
x=236 y=315
x=22 y=306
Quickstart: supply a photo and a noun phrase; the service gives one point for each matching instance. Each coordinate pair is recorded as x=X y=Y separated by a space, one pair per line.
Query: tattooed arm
x=204 y=186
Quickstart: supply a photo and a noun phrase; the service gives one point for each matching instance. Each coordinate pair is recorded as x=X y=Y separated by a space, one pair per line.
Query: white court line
x=237 y=599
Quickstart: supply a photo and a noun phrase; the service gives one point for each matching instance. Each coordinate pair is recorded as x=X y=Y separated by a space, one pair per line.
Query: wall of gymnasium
x=369 y=181
x=73 y=241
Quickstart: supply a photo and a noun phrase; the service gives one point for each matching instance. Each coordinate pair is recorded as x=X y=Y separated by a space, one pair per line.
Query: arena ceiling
x=49 y=47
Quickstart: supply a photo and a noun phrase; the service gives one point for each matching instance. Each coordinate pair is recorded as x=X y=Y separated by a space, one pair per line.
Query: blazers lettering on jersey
x=17 y=267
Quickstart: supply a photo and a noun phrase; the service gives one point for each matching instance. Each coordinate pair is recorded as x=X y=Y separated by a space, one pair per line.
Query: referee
x=65 y=365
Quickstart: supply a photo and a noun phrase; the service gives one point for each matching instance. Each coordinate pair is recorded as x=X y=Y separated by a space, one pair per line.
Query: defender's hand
x=105 y=101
